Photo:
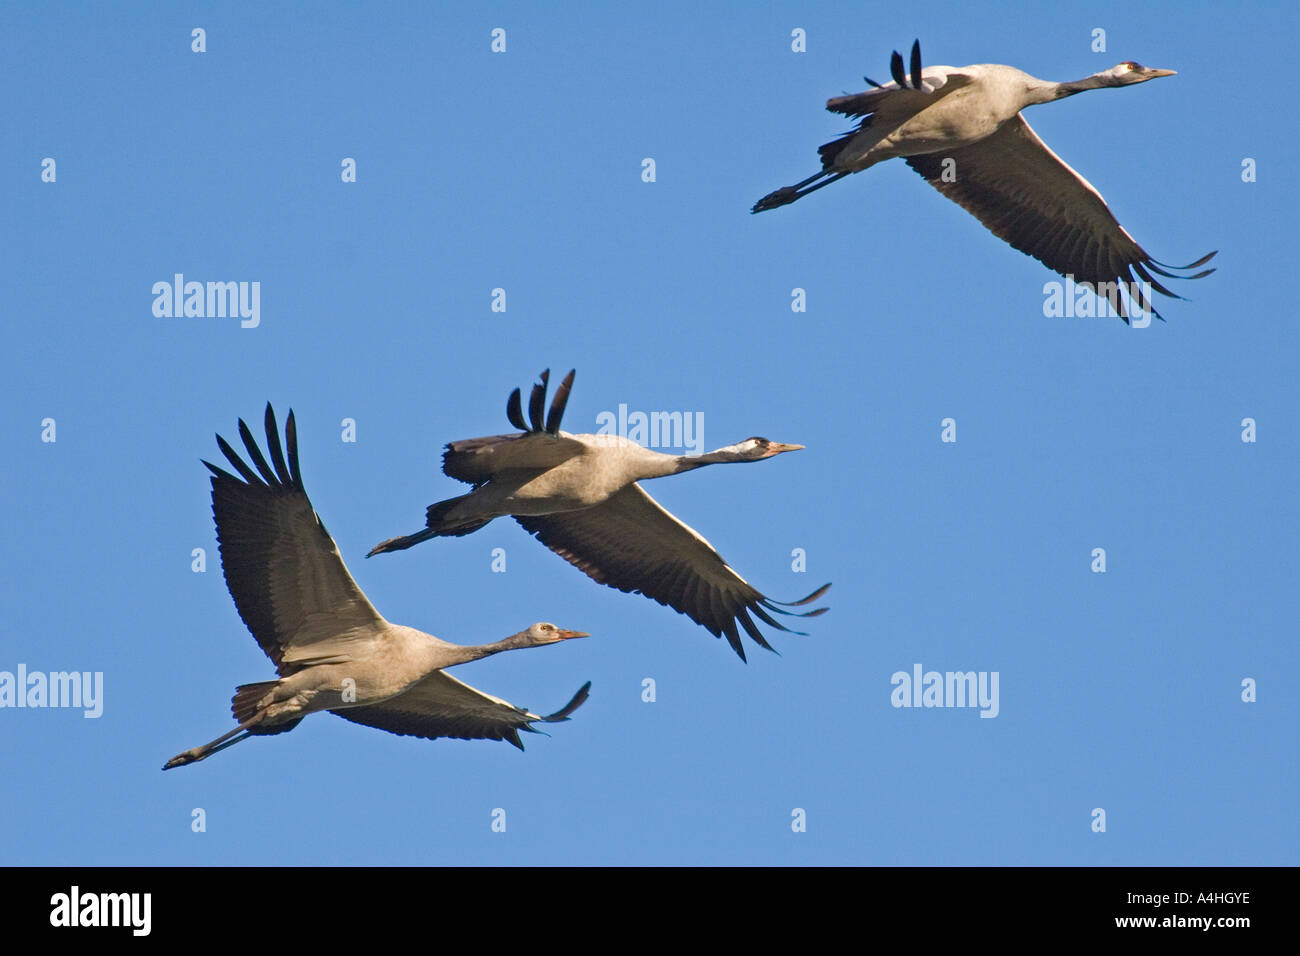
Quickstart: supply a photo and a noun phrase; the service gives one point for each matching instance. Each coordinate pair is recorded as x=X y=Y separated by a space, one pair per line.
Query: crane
x=332 y=649
x=961 y=128
x=580 y=495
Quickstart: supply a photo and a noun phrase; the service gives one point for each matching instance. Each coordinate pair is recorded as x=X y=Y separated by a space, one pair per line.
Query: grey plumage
x=579 y=495
x=961 y=128
x=331 y=649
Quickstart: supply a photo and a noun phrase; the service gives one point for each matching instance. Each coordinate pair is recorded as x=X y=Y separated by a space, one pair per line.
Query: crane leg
x=788 y=194
x=195 y=754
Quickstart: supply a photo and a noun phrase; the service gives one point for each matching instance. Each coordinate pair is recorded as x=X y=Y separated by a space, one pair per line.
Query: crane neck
x=463 y=654
x=1050 y=92
x=653 y=464
x=680 y=463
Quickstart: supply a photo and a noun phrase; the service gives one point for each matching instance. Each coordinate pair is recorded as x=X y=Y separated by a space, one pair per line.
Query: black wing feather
x=631 y=543
x=515 y=411
x=537 y=402
x=559 y=402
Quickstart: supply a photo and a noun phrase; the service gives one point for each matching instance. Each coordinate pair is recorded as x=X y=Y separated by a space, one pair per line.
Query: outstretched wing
x=1025 y=194
x=631 y=543
x=282 y=567
x=441 y=706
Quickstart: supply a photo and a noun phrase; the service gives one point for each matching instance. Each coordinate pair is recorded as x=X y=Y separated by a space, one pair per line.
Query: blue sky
x=522 y=171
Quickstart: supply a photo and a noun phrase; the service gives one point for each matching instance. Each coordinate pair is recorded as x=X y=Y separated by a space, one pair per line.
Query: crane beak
x=1159 y=73
x=776 y=447
x=565 y=635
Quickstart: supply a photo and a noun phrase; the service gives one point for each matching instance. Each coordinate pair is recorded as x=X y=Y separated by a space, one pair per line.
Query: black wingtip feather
x=1191 y=265
x=770 y=621
x=559 y=402
x=1147 y=278
x=537 y=401
x=733 y=638
x=916 y=64
x=515 y=411
x=752 y=629
x=896 y=70
x=291 y=437
x=275 y=448
x=577 y=701
x=808 y=600
x=219 y=472
x=247 y=473
x=255 y=453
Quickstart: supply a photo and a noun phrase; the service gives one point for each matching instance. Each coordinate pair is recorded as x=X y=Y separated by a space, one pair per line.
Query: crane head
x=1129 y=72
x=756 y=449
x=544 y=633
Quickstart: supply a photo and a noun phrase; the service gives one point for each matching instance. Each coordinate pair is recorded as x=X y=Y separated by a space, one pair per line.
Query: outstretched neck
x=658 y=465
x=463 y=654
x=1044 y=92
x=682 y=463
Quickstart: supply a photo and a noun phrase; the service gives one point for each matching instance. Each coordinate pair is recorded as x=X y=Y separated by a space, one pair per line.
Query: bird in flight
x=961 y=128
x=332 y=649
x=580 y=495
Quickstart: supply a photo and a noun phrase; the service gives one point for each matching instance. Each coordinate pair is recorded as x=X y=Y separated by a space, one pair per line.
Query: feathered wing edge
x=537 y=403
x=240 y=498
x=285 y=474
x=382 y=716
x=1025 y=227
x=676 y=575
